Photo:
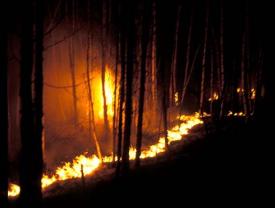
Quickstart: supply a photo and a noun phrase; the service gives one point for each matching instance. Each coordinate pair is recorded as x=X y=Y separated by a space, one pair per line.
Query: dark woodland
x=125 y=102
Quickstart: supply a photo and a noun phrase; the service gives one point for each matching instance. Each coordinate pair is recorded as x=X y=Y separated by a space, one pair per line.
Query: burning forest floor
x=218 y=165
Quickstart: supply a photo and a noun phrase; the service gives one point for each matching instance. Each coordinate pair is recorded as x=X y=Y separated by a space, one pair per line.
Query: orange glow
x=89 y=164
x=96 y=83
x=14 y=190
x=215 y=96
x=176 y=98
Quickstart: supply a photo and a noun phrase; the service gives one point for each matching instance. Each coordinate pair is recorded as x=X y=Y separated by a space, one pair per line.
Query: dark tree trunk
x=121 y=91
x=115 y=100
x=187 y=58
x=72 y=67
x=103 y=69
x=38 y=99
x=203 y=62
x=173 y=79
x=129 y=83
x=144 y=43
x=3 y=116
x=222 y=87
x=92 y=131
x=29 y=189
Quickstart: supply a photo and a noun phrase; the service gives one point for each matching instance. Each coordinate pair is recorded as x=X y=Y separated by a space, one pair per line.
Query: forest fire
x=98 y=94
x=109 y=90
x=86 y=165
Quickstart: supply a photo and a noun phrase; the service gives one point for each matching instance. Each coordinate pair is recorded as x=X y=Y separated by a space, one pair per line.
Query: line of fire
x=132 y=99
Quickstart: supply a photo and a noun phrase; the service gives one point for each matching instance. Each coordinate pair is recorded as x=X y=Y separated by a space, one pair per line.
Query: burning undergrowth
x=88 y=164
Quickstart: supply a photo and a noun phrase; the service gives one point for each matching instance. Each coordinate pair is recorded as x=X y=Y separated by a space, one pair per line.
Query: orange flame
x=89 y=164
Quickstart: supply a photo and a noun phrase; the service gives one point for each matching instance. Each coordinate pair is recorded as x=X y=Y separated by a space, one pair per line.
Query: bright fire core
x=97 y=90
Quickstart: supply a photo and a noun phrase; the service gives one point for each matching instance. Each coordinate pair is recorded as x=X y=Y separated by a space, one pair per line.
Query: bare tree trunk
x=187 y=58
x=173 y=85
x=103 y=69
x=190 y=72
x=115 y=100
x=38 y=100
x=129 y=83
x=203 y=62
x=222 y=94
x=121 y=94
x=259 y=85
x=72 y=67
x=153 y=62
x=29 y=190
x=144 y=43
x=91 y=107
x=211 y=80
x=4 y=160
x=243 y=75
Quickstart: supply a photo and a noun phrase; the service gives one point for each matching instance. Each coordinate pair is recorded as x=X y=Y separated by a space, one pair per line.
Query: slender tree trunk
x=38 y=100
x=4 y=160
x=203 y=62
x=243 y=72
x=121 y=97
x=115 y=100
x=153 y=62
x=72 y=66
x=222 y=94
x=142 y=81
x=90 y=97
x=129 y=84
x=259 y=85
x=173 y=85
x=211 y=80
x=187 y=58
x=103 y=68
x=190 y=72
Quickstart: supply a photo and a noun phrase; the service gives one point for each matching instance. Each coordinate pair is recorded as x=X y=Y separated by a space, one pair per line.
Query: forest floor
x=219 y=167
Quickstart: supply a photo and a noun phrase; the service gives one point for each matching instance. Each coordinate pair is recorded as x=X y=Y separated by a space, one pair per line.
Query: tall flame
x=96 y=84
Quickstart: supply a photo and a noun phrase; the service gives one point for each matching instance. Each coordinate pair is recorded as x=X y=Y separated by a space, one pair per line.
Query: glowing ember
x=215 y=96
x=88 y=164
x=230 y=113
x=14 y=190
x=176 y=98
x=253 y=94
x=240 y=90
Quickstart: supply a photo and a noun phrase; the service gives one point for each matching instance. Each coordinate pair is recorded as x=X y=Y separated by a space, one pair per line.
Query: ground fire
x=127 y=99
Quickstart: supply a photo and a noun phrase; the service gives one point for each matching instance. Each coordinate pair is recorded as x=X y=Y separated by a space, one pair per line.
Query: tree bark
x=103 y=68
x=38 y=99
x=187 y=58
x=29 y=190
x=72 y=68
x=173 y=85
x=92 y=130
x=121 y=90
x=129 y=83
x=144 y=43
x=222 y=92
x=4 y=160
x=203 y=62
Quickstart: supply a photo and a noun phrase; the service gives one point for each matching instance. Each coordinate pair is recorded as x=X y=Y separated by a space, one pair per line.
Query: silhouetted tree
x=129 y=84
x=122 y=26
x=202 y=91
x=31 y=109
x=144 y=43
x=3 y=113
